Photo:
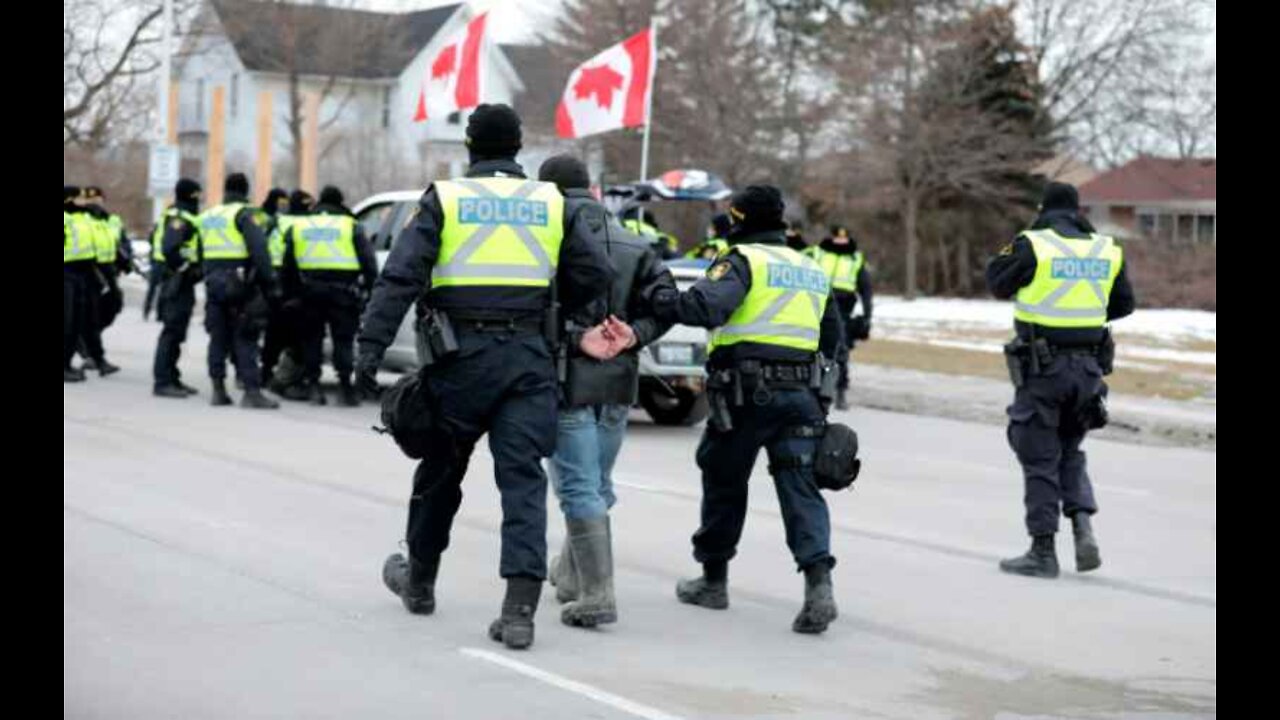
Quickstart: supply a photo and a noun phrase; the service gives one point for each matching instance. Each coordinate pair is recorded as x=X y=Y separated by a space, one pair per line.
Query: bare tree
x=331 y=49
x=106 y=49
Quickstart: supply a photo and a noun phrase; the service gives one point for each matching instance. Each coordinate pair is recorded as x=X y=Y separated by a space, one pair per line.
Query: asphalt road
x=225 y=563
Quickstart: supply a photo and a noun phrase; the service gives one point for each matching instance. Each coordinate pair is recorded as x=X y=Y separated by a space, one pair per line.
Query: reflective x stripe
x=334 y=258
x=764 y=325
x=458 y=265
x=1047 y=307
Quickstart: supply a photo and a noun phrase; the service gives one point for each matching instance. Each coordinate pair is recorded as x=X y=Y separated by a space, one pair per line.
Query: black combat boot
x=169 y=391
x=220 y=396
x=315 y=395
x=592 y=553
x=711 y=590
x=413 y=581
x=105 y=368
x=185 y=388
x=842 y=401
x=255 y=400
x=514 y=627
x=1087 y=556
x=347 y=396
x=819 y=602
x=72 y=375
x=1040 y=561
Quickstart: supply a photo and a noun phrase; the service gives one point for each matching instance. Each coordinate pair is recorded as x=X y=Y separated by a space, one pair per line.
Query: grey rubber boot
x=1087 y=555
x=254 y=399
x=590 y=546
x=819 y=601
x=564 y=574
x=710 y=591
x=1040 y=561
x=220 y=396
x=514 y=627
x=413 y=581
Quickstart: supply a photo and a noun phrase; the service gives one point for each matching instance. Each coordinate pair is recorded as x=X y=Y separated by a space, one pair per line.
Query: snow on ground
x=1155 y=334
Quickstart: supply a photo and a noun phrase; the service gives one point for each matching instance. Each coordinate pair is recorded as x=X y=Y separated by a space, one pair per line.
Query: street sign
x=162 y=170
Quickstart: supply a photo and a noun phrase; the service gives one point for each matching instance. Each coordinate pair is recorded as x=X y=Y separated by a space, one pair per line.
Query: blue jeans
x=588 y=439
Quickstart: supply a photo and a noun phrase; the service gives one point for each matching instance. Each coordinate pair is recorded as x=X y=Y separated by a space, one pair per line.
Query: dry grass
x=1179 y=381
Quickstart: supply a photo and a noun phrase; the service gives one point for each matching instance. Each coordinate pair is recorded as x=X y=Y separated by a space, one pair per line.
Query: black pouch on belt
x=835 y=463
x=1013 y=353
x=1107 y=352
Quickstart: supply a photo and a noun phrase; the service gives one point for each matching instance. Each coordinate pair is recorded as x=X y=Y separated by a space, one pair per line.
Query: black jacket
x=636 y=268
x=1015 y=267
x=177 y=231
x=582 y=273
x=711 y=301
x=255 y=240
x=295 y=277
x=848 y=301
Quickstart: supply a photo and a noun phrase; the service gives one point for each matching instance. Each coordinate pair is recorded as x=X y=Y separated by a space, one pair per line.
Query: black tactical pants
x=1046 y=427
x=76 y=311
x=504 y=385
x=727 y=458
x=177 y=301
x=234 y=315
x=337 y=307
x=847 y=302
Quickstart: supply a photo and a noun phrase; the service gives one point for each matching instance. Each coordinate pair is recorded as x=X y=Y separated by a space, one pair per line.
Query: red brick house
x=1160 y=198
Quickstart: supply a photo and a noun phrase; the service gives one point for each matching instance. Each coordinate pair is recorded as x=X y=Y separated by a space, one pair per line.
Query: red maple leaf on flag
x=444 y=63
x=600 y=81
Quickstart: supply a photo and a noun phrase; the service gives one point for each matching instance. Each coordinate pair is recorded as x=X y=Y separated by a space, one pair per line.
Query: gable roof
x=1153 y=179
x=357 y=43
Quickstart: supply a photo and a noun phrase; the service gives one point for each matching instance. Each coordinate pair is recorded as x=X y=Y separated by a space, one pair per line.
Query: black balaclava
x=720 y=225
x=330 y=195
x=756 y=209
x=566 y=171
x=493 y=133
x=92 y=197
x=1061 y=203
x=186 y=195
x=277 y=201
x=300 y=202
x=845 y=248
x=236 y=187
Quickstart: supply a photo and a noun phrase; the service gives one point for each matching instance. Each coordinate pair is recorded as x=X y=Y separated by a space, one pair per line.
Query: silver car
x=672 y=379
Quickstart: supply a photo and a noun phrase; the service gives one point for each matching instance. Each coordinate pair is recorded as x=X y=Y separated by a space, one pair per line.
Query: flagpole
x=648 y=102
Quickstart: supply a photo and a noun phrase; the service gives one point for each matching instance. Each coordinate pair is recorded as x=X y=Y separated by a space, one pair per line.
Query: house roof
x=1065 y=168
x=1153 y=179
x=338 y=41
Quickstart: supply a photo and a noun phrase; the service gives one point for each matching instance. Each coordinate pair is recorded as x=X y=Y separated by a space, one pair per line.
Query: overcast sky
x=516 y=20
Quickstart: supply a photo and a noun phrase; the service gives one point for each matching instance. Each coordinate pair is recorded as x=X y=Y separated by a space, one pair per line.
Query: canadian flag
x=609 y=91
x=454 y=73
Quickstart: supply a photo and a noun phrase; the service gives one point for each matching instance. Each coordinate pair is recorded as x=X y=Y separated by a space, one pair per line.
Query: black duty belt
x=496 y=325
x=786 y=373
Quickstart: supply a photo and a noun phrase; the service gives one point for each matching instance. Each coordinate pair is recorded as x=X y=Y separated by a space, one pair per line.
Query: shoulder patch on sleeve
x=717 y=271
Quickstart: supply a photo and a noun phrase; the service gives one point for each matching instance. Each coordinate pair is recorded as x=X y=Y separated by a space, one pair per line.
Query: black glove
x=860 y=327
x=367 y=371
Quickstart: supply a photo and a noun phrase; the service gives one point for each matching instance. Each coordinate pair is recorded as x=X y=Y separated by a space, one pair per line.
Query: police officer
x=486 y=247
x=846 y=267
x=103 y=291
x=772 y=313
x=237 y=274
x=78 y=259
x=176 y=258
x=597 y=397
x=329 y=255
x=714 y=244
x=1067 y=282
x=284 y=321
x=639 y=221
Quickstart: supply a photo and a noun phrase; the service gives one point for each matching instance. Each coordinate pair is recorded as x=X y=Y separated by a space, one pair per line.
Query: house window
x=235 y=94
x=200 y=100
x=1147 y=224
x=1185 y=233
x=386 y=107
x=1206 y=229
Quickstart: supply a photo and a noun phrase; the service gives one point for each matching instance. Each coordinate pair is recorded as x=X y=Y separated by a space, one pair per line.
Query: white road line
x=573 y=686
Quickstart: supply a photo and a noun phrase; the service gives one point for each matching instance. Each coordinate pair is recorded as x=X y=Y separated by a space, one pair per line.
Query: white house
x=370 y=67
